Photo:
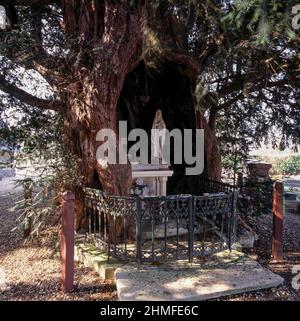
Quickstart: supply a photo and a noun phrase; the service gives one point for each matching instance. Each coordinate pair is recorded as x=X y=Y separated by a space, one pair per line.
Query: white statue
x=158 y=137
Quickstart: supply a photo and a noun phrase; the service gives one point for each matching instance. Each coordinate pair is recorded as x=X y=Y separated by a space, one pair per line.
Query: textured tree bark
x=109 y=45
x=213 y=165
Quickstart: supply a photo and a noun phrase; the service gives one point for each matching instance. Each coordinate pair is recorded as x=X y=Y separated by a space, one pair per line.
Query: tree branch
x=28 y=2
x=229 y=102
x=213 y=117
x=27 y=98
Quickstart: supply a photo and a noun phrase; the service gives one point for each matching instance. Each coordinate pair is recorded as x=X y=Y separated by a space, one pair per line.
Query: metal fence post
x=191 y=228
x=67 y=241
x=139 y=230
x=232 y=224
x=278 y=212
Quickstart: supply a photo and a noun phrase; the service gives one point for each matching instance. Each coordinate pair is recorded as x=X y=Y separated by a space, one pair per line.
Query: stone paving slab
x=92 y=257
x=195 y=282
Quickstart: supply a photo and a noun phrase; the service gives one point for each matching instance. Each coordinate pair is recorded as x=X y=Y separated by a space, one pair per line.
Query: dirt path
x=32 y=272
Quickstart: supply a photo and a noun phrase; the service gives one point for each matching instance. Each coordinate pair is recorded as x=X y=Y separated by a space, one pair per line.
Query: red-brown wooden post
x=67 y=241
x=278 y=211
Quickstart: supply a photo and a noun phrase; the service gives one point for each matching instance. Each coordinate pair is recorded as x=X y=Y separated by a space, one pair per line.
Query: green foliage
x=51 y=170
x=289 y=166
x=38 y=207
x=259 y=21
x=54 y=173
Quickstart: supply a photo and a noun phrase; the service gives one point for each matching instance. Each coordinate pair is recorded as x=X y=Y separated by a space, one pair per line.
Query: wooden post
x=278 y=211
x=67 y=241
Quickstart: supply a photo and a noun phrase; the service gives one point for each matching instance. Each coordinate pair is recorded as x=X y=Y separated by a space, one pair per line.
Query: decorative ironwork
x=211 y=186
x=157 y=228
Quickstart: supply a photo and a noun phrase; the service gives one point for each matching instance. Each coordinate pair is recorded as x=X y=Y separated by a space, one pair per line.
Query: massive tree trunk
x=106 y=51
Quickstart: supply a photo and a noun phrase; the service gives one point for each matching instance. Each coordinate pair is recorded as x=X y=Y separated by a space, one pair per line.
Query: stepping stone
x=194 y=282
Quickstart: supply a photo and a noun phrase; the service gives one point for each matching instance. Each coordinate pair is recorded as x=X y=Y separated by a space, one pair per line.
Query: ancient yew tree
x=105 y=61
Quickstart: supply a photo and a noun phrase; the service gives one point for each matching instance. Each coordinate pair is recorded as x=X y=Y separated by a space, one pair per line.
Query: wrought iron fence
x=211 y=186
x=158 y=228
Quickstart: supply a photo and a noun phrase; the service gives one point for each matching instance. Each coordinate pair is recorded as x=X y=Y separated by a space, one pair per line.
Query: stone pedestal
x=258 y=171
x=153 y=178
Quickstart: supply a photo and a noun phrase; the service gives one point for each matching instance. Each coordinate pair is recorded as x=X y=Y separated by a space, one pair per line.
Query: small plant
x=40 y=203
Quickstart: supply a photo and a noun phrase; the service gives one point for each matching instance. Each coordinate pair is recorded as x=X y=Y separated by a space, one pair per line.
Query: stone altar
x=150 y=179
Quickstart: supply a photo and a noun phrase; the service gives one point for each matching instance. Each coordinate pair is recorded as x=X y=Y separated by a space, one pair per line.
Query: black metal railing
x=157 y=228
x=211 y=186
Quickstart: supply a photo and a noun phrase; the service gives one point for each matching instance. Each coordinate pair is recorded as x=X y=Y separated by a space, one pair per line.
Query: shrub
x=290 y=166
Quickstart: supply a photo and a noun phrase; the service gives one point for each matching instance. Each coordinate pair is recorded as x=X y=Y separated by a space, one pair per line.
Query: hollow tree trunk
x=107 y=38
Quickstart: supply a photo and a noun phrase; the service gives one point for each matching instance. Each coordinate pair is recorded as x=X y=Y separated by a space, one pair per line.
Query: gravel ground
x=32 y=272
x=262 y=249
